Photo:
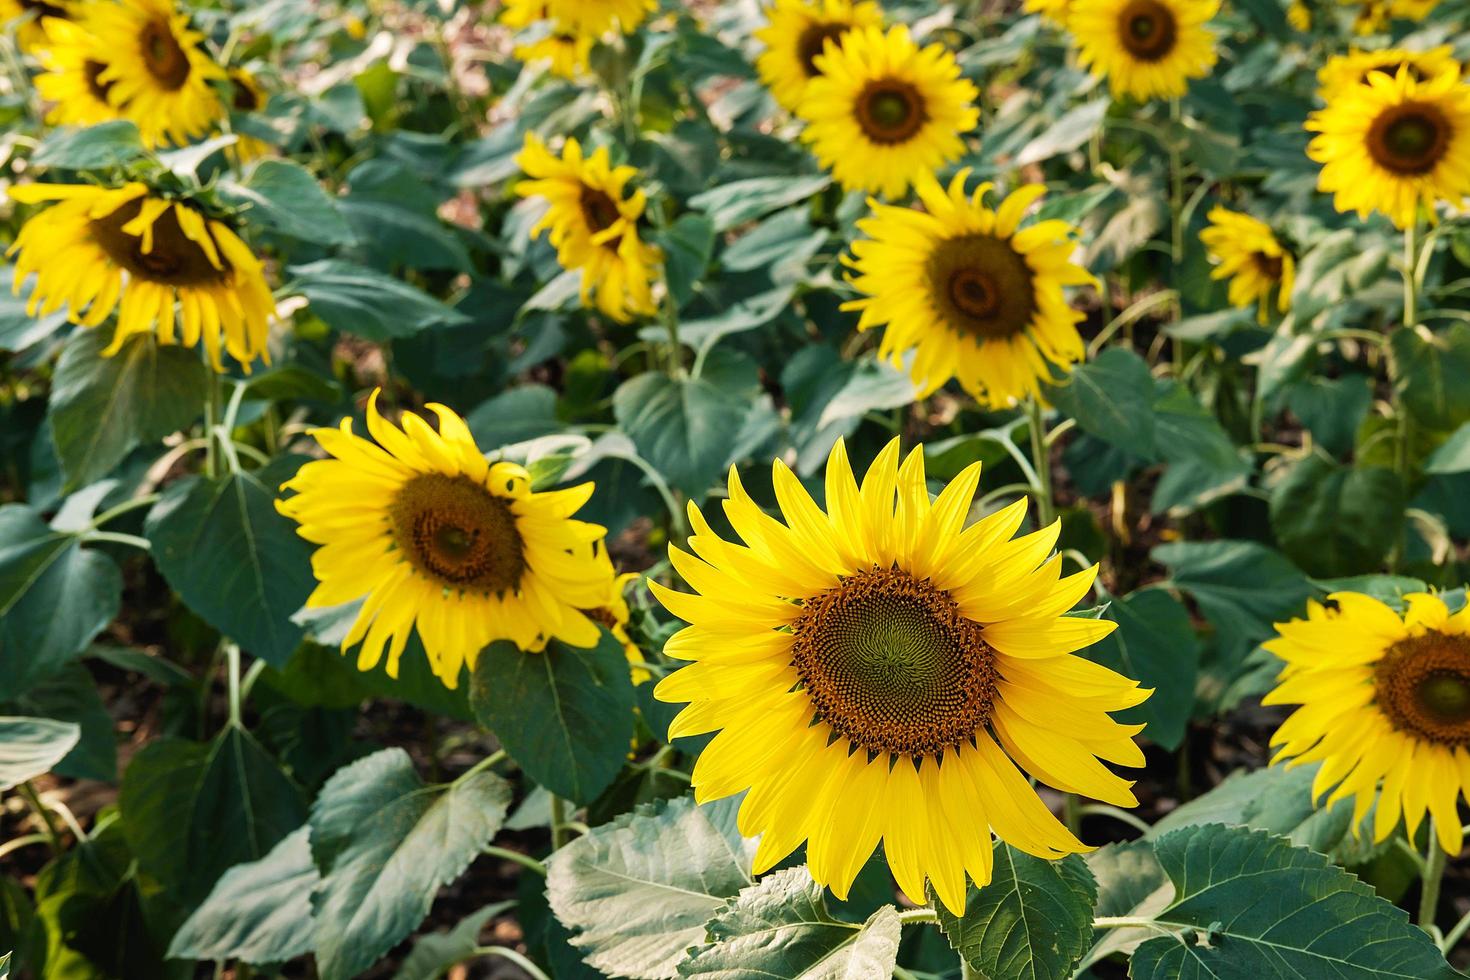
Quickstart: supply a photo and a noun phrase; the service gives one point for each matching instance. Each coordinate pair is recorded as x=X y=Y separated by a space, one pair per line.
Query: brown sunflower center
x=1147 y=30
x=458 y=533
x=891 y=111
x=174 y=259
x=165 y=59
x=813 y=41
x=244 y=96
x=93 y=71
x=1410 y=138
x=982 y=286
x=43 y=9
x=1423 y=687
x=599 y=210
x=1268 y=265
x=891 y=665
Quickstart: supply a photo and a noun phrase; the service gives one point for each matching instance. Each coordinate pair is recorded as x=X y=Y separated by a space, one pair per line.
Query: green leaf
x=1429 y=371
x=637 y=892
x=234 y=560
x=1242 y=588
x=18 y=329
x=515 y=415
x=1032 y=922
x=781 y=928
x=55 y=597
x=433 y=954
x=687 y=245
x=109 y=144
x=71 y=695
x=745 y=200
x=1332 y=408
x=366 y=303
x=1129 y=883
x=1275 y=799
x=1111 y=397
x=775 y=239
x=102 y=408
x=686 y=426
x=192 y=810
x=258 y=912
x=1337 y=520
x=565 y=714
x=385 y=844
x=1155 y=644
x=1453 y=455
x=1075 y=127
x=284 y=197
x=31 y=747
x=1251 y=905
x=4 y=966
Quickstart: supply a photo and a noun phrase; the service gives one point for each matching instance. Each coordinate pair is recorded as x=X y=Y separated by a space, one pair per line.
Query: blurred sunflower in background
x=615 y=616
x=247 y=96
x=596 y=17
x=163 y=264
x=72 y=63
x=1052 y=11
x=31 y=33
x=434 y=537
x=1246 y=251
x=1373 y=16
x=1394 y=144
x=157 y=74
x=881 y=651
x=883 y=111
x=796 y=32
x=1384 y=699
x=567 y=50
x=1147 y=49
x=592 y=222
x=1342 y=71
x=972 y=294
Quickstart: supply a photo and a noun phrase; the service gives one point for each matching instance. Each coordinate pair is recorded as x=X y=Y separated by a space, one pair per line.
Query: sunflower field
x=746 y=490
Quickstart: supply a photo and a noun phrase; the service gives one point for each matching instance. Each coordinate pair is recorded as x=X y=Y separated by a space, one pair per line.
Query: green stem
x=211 y=411
x=147 y=500
x=968 y=972
x=53 y=834
x=1434 y=864
x=1411 y=264
x=558 y=823
x=519 y=959
x=1453 y=937
x=485 y=763
x=925 y=915
x=11 y=846
x=131 y=540
x=1115 y=813
x=524 y=860
x=1072 y=814
x=1041 y=460
x=232 y=657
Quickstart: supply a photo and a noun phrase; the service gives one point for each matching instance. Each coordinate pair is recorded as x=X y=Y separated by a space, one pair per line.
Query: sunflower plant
x=789 y=488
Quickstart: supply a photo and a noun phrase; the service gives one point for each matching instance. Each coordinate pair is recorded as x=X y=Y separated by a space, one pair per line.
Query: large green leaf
x=637 y=892
x=686 y=426
x=1429 y=373
x=564 y=714
x=234 y=559
x=1111 y=397
x=1156 y=645
x=781 y=928
x=1241 y=587
x=71 y=695
x=361 y=301
x=1032 y=922
x=745 y=200
x=433 y=954
x=1453 y=456
x=107 y=144
x=385 y=844
x=30 y=747
x=1249 y=905
x=284 y=196
x=193 y=810
x=1337 y=520
x=1275 y=799
x=687 y=245
x=102 y=408
x=1129 y=883
x=55 y=597
x=258 y=912
x=1075 y=127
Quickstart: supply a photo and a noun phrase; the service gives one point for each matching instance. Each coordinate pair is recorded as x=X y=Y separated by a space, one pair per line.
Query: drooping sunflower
x=883 y=111
x=72 y=62
x=1343 y=71
x=157 y=74
x=796 y=32
x=880 y=670
x=593 y=224
x=437 y=538
x=1384 y=700
x=971 y=293
x=163 y=264
x=1393 y=144
x=1148 y=49
x=1246 y=251
x=31 y=33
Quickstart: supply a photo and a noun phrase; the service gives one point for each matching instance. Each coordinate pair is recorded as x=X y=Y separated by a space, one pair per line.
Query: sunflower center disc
x=890 y=664
x=1423 y=687
x=1148 y=29
x=890 y=111
x=174 y=260
x=599 y=210
x=166 y=61
x=1409 y=139
x=813 y=41
x=93 y=71
x=244 y=98
x=1269 y=265
x=458 y=533
x=982 y=286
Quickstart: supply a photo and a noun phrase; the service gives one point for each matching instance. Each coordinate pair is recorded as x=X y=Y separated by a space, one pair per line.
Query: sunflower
x=1299 y=16
x=1394 y=143
x=437 y=538
x=247 y=96
x=593 y=224
x=614 y=614
x=596 y=17
x=974 y=296
x=1343 y=71
x=72 y=62
x=883 y=110
x=1247 y=253
x=127 y=249
x=882 y=652
x=1054 y=12
x=1145 y=48
x=31 y=33
x=1384 y=699
x=566 y=53
x=796 y=32
x=157 y=73
x=1373 y=16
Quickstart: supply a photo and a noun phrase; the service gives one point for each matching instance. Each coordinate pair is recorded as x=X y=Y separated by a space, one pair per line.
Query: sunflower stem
x=43 y=814
x=524 y=860
x=232 y=657
x=925 y=915
x=1072 y=814
x=519 y=959
x=146 y=500
x=1453 y=937
x=211 y=411
x=1411 y=264
x=558 y=823
x=1041 y=460
x=1434 y=864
